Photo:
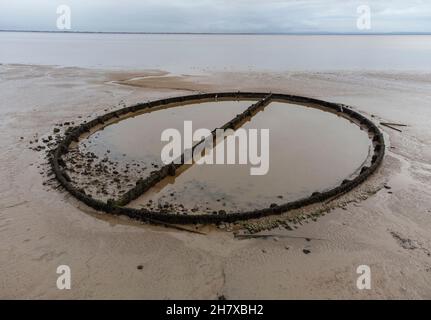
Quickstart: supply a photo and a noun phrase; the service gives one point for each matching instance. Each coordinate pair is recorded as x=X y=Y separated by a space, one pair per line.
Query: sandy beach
x=384 y=223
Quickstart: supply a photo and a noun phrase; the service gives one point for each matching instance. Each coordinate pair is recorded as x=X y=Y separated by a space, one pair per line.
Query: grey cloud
x=218 y=15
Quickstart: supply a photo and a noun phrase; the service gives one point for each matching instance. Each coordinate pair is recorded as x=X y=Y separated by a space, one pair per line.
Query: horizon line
x=221 y=33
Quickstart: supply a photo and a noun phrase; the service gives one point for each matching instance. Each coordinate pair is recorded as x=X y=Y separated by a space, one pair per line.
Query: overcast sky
x=250 y=16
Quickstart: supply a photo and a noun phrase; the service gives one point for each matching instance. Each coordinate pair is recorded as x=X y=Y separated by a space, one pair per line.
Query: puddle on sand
x=110 y=161
x=137 y=139
x=309 y=150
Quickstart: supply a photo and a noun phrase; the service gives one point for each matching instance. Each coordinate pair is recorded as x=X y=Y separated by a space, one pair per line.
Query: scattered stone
x=287 y=227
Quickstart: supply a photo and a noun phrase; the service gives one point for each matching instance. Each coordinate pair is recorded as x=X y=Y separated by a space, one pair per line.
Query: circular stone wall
x=118 y=206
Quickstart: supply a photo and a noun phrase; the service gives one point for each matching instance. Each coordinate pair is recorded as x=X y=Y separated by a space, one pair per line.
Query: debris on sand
x=409 y=244
x=393 y=124
x=390 y=126
x=406 y=243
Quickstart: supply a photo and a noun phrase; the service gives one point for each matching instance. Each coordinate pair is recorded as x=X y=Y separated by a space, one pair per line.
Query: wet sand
x=384 y=223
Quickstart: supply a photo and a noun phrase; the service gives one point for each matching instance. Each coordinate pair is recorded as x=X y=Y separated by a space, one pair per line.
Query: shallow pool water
x=138 y=138
x=309 y=150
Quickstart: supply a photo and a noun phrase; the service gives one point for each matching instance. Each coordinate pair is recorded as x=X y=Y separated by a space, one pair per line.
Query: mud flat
x=384 y=223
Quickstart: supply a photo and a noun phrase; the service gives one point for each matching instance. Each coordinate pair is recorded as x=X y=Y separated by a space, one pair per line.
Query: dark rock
x=364 y=169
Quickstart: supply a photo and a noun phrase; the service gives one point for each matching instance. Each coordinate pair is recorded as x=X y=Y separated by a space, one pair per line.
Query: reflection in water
x=139 y=138
x=310 y=150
